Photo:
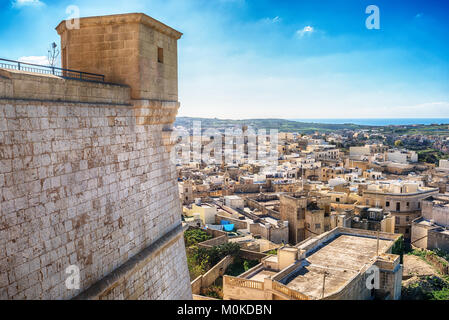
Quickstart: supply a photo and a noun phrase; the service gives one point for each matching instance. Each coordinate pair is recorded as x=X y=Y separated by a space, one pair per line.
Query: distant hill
x=280 y=124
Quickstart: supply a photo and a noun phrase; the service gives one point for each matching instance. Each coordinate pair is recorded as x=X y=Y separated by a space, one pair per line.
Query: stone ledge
x=127 y=18
x=33 y=86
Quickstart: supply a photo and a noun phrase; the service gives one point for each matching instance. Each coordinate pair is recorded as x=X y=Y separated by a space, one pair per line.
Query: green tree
x=398 y=143
x=195 y=236
x=399 y=248
x=248 y=264
x=217 y=253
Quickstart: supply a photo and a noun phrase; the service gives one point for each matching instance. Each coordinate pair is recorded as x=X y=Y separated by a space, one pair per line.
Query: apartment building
x=335 y=265
x=401 y=198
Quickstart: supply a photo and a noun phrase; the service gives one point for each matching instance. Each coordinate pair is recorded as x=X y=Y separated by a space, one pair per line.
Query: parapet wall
x=19 y=85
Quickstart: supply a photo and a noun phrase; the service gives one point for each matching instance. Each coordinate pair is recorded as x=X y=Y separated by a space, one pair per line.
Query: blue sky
x=284 y=59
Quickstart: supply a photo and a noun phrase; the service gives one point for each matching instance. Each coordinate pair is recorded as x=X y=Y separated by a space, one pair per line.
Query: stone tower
x=132 y=49
x=85 y=178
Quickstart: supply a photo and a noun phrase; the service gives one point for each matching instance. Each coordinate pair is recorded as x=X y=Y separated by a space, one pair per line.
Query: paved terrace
x=262 y=274
x=342 y=258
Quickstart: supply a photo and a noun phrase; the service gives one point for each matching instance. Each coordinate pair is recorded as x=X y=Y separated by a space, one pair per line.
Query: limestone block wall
x=438 y=240
x=252 y=255
x=161 y=275
x=158 y=80
x=390 y=282
x=83 y=184
x=124 y=48
x=213 y=242
x=29 y=86
x=207 y=279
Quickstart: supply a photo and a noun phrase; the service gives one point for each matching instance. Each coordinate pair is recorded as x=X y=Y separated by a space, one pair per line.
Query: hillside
x=279 y=124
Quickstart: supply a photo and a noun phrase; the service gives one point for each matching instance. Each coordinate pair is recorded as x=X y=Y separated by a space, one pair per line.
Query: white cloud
x=42 y=60
x=27 y=3
x=306 y=30
x=428 y=109
x=276 y=19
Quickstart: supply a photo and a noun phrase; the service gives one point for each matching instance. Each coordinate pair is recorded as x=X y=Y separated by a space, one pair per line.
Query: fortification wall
x=87 y=183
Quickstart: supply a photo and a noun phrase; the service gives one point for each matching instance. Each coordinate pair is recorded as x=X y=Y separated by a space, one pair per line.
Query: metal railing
x=60 y=72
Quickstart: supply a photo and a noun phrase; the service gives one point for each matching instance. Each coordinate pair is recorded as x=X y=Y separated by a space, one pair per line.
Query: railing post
x=53 y=70
x=18 y=65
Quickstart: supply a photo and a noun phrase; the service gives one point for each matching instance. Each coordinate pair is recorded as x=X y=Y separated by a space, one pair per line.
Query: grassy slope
x=279 y=124
x=309 y=127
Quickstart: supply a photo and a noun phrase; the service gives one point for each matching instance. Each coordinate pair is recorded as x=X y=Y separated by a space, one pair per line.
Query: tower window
x=160 y=55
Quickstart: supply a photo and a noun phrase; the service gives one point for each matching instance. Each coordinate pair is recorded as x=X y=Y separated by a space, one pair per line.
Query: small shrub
x=195 y=236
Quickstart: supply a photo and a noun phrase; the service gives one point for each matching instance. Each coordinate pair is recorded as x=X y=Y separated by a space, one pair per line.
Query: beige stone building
x=293 y=210
x=327 y=173
x=206 y=212
x=85 y=176
x=430 y=231
x=402 y=199
x=307 y=215
x=186 y=192
x=270 y=229
x=336 y=265
x=358 y=153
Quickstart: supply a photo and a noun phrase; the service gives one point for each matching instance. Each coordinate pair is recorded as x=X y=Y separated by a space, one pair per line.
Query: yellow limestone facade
x=85 y=174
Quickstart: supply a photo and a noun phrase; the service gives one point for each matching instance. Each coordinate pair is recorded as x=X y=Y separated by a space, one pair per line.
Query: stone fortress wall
x=85 y=176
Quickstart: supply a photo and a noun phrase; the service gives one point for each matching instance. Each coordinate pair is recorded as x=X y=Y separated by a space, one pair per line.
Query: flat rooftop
x=342 y=259
x=262 y=275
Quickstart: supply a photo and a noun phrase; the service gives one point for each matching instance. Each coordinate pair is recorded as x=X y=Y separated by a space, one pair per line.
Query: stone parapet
x=20 y=85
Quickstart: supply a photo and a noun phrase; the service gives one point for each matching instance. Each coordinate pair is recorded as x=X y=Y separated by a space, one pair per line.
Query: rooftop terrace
x=342 y=254
x=342 y=259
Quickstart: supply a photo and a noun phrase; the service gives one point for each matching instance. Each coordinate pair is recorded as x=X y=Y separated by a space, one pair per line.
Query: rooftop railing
x=293 y=294
x=60 y=72
x=243 y=283
x=277 y=287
